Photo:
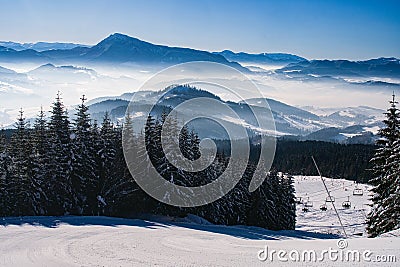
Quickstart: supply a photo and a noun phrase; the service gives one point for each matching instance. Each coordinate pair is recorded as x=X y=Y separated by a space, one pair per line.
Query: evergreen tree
x=40 y=141
x=23 y=185
x=185 y=145
x=107 y=165
x=266 y=200
x=287 y=208
x=5 y=177
x=263 y=210
x=83 y=176
x=391 y=211
x=194 y=146
x=58 y=186
x=166 y=165
x=147 y=158
x=382 y=217
x=123 y=194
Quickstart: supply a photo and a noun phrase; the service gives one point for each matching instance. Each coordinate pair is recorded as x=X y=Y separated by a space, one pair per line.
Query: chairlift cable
x=329 y=195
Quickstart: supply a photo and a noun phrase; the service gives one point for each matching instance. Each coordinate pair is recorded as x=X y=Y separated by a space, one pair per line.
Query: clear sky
x=346 y=29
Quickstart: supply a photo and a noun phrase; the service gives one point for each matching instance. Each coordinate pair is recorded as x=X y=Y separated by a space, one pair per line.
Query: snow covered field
x=311 y=189
x=105 y=241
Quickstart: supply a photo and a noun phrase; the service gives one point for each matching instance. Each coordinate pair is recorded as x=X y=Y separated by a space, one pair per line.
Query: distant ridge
x=116 y=48
x=262 y=58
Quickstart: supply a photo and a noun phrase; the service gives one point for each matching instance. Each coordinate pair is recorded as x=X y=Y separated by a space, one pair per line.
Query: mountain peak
x=122 y=48
x=121 y=38
x=117 y=35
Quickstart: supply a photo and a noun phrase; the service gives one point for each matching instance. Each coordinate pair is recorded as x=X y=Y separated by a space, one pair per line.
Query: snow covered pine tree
x=385 y=213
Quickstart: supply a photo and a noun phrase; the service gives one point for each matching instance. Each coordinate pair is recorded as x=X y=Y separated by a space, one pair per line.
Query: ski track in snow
x=106 y=241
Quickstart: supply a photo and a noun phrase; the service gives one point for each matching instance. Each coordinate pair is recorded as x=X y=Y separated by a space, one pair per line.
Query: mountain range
x=381 y=67
x=77 y=68
x=40 y=46
x=351 y=125
x=119 y=49
x=122 y=48
x=262 y=58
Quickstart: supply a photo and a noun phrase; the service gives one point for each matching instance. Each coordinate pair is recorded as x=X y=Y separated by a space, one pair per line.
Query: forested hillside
x=61 y=167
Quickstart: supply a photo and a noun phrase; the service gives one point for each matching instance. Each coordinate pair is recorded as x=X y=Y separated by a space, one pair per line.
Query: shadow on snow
x=239 y=231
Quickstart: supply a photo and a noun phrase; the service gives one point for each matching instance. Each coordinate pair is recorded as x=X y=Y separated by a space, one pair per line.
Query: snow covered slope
x=311 y=189
x=192 y=241
x=102 y=241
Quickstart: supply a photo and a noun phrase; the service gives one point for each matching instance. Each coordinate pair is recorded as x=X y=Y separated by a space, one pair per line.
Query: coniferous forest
x=60 y=166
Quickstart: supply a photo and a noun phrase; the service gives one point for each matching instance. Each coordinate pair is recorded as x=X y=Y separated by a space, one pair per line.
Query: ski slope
x=192 y=241
x=311 y=189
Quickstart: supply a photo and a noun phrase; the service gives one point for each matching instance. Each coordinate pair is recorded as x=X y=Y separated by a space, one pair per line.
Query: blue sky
x=313 y=29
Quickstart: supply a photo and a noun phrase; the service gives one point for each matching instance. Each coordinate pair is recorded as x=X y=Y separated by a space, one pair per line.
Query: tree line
x=344 y=161
x=61 y=166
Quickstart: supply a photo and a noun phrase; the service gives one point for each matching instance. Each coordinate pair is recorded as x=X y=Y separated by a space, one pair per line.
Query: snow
x=243 y=123
x=10 y=88
x=394 y=233
x=191 y=241
x=349 y=135
x=299 y=123
x=103 y=241
x=289 y=71
x=137 y=115
x=373 y=129
x=312 y=188
x=346 y=113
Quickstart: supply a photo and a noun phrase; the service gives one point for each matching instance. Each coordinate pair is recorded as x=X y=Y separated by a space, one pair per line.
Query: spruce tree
x=41 y=146
x=62 y=199
x=83 y=176
x=185 y=145
x=122 y=193
x=287 y=214
x=5 y=176
x=147 y=158
x=385 y=167
x=23 y=185
x=194 y=145
x=106 y=170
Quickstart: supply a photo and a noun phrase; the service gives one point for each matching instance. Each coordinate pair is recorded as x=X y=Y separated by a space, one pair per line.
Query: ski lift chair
x=330 y=199
x=305 y=209
x=308 y=203
x=323 y=207
x=347 y=204
x=358 y=192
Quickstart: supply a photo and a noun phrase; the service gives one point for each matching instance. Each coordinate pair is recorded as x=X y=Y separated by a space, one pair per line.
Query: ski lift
x=305 y=209
x=323 y=207
x=298 y=200
x=358 y=191
x=330 y=199
x=347 y=203
x=308 y=203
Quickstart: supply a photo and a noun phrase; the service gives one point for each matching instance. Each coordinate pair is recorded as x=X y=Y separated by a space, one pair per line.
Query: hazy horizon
x=353 y=30
x=172 y=45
